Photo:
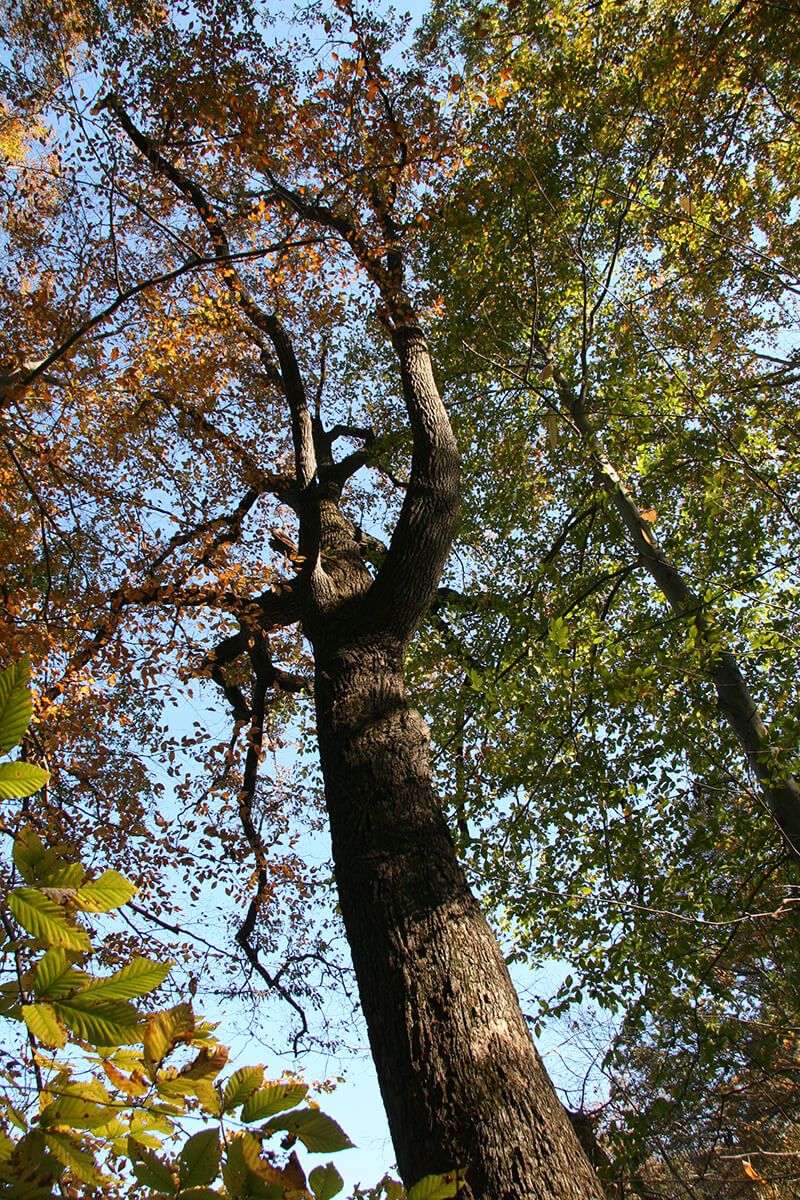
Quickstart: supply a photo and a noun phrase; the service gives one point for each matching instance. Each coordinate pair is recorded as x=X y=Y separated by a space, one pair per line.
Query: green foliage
x=15 y=704
x=627 y=219
x=431 y=1187
x=110 y=1097
x=436 y=1187
x=325 y=1182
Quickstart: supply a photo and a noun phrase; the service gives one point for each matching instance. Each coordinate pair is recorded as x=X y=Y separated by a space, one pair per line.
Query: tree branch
x=778 y=786
x=407 y=580
x=263 y=322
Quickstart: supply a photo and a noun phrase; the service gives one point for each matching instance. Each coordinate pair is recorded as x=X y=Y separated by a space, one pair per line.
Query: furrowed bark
x=460 y=1077
x=779 y=788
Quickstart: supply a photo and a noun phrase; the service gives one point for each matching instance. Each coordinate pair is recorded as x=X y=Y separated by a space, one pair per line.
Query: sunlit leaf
x=19 y=779
x=16 y=707
x=45 y=920
x=272 y=1098
x=318 y=1132
x=110 y=891
x=41 y=1021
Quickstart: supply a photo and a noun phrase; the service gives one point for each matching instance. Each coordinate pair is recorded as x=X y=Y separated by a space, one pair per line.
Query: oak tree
x=211 y=282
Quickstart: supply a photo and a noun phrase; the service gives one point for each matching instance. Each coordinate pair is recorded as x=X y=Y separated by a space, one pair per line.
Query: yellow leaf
x=130 y=1085
x=649 y=514
x=552 y=430
x=751 y=1172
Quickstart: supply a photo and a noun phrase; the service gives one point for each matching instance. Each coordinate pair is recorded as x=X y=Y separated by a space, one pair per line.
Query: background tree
x=618 y=316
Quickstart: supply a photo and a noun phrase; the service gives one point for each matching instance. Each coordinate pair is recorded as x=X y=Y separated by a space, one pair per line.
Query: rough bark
x=460 y=1077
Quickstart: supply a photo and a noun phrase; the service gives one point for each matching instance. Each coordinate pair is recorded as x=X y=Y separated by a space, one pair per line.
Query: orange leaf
x=751 y=1172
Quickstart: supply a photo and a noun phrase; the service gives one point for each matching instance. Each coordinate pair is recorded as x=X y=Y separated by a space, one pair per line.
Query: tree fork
x=463 y=1085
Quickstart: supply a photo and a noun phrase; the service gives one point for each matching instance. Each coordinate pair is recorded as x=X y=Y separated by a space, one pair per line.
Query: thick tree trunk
x=462 y=1082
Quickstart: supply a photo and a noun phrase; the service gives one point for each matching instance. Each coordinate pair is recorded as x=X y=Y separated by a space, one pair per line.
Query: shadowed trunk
x=460 y=1077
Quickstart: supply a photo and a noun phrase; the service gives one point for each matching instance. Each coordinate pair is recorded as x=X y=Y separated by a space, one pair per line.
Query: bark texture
x=460 y=1077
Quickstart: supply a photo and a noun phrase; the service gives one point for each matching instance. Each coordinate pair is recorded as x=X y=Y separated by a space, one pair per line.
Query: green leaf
x=20 y=779
x=173 y=1093
x=100 y=1022
x=200 y=1193
x=75 y=1111
x=318 y=1133
x=28 y=852
x=45 y=920
x=42 y=1022
x=208 y=1096
x=79 y=1161
x=242 y=1084
x=55 y=976
x=272 y=1098
x=52 y=872
x=149 y=1169
x=136 y=978
x=436 y=1187
x=6 y=1147
x=325 y=1182
x=16 y=705
x=200 y=1159
x=110 y=891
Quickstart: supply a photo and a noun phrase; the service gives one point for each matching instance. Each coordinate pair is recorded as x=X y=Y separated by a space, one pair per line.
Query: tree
x=193 y=141
x=201 y=239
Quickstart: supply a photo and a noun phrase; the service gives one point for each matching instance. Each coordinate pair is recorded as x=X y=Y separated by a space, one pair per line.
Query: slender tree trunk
x=460 y=1077
x=778 y=786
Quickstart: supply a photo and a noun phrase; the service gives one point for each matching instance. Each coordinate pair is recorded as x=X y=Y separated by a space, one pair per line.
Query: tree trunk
x=460 y=1077
x=778 y=785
